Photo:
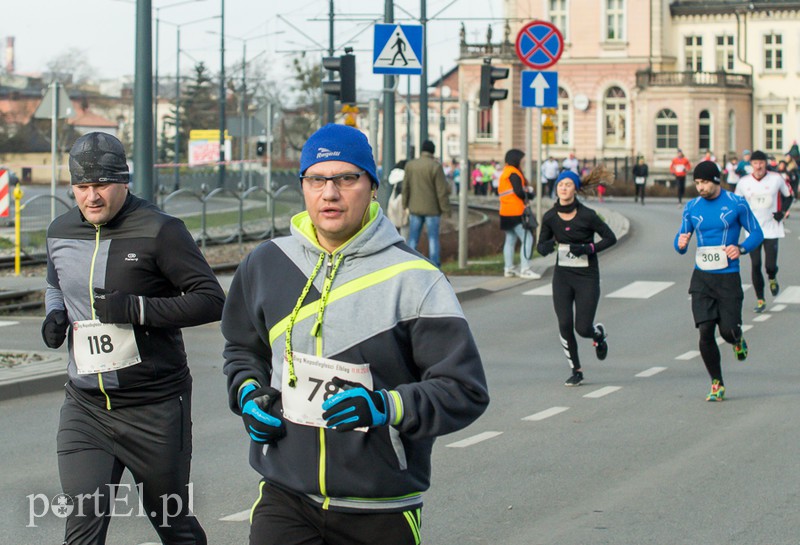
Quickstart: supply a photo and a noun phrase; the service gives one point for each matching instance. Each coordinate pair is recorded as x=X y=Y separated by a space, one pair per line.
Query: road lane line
x=241 y=516
x=4 y=323
x=777 y=308
x=603 y=392
x=762 y=317
x=690 y=355
x=475 y=439
x=650 y=372
x=543 y=290
x=547 y=413
x=789 y=294
x=640 y=290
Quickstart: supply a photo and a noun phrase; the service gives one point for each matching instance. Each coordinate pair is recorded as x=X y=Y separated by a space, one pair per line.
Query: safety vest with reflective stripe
x=510 y=203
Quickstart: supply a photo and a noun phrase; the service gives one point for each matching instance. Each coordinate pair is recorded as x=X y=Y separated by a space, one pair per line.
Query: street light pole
x=221 y=179
x=143 y=102
x=176 y=159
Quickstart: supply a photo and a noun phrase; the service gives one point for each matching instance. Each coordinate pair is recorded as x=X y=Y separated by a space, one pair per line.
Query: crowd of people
x=344 y=347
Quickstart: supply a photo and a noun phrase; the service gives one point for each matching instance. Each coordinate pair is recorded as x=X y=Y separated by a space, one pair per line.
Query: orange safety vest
x=510 y=203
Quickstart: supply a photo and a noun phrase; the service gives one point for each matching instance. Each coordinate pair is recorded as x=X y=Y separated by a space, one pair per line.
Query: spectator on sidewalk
x=679 y=167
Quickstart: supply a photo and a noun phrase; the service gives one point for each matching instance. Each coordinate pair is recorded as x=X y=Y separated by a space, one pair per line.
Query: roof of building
x=709 y=7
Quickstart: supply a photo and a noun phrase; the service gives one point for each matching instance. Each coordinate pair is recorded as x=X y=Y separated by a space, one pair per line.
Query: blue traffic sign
x=397 y=50
x=539 y=89
x=539 y=45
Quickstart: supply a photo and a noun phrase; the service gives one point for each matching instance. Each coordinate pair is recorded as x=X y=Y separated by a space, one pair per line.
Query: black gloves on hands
x=779 y=215
x=54 y=328
x=355 y=407
x=257 y=405
x=115 y=307
x=546 y=247
x=581 y=249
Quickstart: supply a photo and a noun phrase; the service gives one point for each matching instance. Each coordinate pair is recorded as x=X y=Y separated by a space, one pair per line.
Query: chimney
x=10 y=54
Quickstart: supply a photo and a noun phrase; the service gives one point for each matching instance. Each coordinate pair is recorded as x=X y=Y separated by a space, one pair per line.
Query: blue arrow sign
x=539 y=89
x=397 y=49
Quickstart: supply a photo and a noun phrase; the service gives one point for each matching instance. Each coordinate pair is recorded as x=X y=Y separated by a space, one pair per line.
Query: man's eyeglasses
x=346 y=180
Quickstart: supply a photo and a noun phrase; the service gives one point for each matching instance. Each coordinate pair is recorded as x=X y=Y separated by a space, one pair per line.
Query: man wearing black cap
x=770 y=197
x=426 y=195
x=125 y=278
x=717 y=216
x=346 y=354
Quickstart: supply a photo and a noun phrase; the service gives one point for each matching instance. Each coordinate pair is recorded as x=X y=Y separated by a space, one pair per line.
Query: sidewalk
x=50 y=373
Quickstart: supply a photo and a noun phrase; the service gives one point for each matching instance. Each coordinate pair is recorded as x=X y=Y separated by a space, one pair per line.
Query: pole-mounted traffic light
x=345 y=88
x=489 y=75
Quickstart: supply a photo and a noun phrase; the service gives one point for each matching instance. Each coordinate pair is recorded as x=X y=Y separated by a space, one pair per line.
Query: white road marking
x=475 y=439
x=746 y=287
x=778 y=308
x=4 y=323
x=691 y=354
x=603 y=392
x=762 y=317
x=650 y=372
x=547 y=413
x=543 y=290
x=789 y=294
x=241 y=516
x=640 y=290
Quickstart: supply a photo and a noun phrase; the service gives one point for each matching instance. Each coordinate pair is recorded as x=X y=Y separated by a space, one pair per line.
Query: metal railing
x=647 y=78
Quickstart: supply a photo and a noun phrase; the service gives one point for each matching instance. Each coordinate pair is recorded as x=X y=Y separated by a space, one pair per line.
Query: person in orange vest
x=679 y=167
x=514 y=194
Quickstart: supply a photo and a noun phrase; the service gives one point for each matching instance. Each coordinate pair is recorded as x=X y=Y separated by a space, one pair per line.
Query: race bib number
x=711 y=258
x=568 y=259
x=100 y=348
x=639 y=180
x=760 y=202
x=303 y=403
x=680 y=169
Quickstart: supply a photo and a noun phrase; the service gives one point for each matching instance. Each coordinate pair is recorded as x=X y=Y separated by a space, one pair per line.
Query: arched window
x=704 y=131
x=563 y=133
x=453 y=117
x=615 y=113
x=666 y=130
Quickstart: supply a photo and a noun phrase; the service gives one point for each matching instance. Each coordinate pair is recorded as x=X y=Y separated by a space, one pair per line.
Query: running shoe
x=530 y=274
x=575 y=379
x=740 y=349
x=717 y=392
x=510 y=273
x=774 y=287
x=760 y=307
x=600 y=344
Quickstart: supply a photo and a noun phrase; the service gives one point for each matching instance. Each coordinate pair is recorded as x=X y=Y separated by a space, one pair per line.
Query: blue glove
x=256 y=405
x=355 y=407
x=581 y=249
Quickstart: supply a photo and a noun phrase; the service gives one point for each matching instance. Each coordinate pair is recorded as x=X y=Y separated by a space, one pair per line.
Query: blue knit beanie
x=572 y=176
x=339 y=143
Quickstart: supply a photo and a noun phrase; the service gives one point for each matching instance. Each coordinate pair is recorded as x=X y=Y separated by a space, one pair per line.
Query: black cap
x=758 y=155
x=428 y=146
x=707 y=170
x=97 y=157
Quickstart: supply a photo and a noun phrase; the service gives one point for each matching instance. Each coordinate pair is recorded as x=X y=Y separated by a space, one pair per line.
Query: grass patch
x=489 y=265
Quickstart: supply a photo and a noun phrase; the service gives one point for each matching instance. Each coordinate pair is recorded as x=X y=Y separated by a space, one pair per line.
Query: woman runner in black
x=570 y=227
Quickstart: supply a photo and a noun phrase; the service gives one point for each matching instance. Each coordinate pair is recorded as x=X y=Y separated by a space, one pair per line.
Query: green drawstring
x=323 y=302
x=293 y=316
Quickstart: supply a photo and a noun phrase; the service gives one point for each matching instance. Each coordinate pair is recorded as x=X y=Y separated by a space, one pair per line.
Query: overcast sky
x=104 y=32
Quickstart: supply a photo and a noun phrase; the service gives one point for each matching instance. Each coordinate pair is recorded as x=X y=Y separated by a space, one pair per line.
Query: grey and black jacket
x=386 y=306
x=142 y=252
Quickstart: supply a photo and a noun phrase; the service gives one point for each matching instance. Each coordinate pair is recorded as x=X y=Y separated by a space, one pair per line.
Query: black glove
x=546 y=247
x=54 y=328
x=257 y=406
x=779 y=215
x=115 y=307
x=355 y=407
x=581 y=249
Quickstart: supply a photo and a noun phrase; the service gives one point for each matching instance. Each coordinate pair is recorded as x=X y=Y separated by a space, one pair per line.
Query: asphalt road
x=634 y=456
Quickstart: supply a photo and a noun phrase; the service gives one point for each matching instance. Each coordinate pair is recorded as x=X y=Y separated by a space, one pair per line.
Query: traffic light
x=345 y=88
x=261 y=148
x=489 y=75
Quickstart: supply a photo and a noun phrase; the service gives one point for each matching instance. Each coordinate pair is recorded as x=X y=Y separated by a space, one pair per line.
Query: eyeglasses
x=347 y=180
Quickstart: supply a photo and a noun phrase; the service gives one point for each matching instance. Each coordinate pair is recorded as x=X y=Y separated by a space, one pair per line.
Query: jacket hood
x=375 y=236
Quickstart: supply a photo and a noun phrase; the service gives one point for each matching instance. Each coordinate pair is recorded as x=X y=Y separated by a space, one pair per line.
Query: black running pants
x=770 y=261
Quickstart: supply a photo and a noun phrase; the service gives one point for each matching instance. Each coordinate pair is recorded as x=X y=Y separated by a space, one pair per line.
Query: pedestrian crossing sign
x=397 y=50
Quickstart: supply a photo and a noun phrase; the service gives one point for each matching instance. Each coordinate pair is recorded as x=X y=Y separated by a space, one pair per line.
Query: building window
x=557 y=12
x=666 y=130
x=704 y=131
x=725 y=51
x=732 y=131
x=485 y=127
x=453 y=147
x=693 y=53
x=615 y=110
x=773 y=52
x=615 y=20
x=563 y=133
x=773 y=132
x=452 y=117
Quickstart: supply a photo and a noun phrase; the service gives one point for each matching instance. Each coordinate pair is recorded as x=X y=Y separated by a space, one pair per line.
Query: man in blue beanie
x=346 y=355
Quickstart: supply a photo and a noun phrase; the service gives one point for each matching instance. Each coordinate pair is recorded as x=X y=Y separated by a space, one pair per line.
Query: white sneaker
x=510 y=273
x=528 y=273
